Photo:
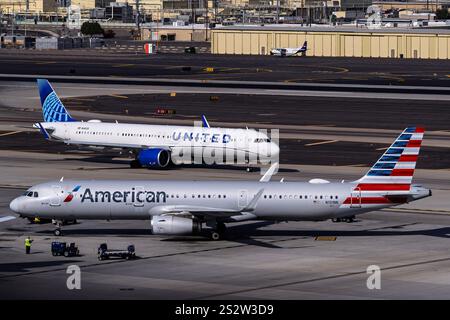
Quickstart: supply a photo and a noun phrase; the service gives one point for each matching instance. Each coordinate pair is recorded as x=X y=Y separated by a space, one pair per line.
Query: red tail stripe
x=408 y=158
x=383 y=187
x=420 y=130
x=367 y=200
x=402 y=172
x=414 y=143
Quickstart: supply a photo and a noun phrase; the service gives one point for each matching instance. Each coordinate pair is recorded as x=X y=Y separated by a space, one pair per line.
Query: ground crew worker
x=28 y=242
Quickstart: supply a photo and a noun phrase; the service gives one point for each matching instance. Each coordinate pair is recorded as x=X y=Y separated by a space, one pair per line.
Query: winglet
x=43 y=131
x=205 y=122
x=252 y=205
x=269 y=173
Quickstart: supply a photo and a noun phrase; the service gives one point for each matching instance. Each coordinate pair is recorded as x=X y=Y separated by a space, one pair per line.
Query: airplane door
x=139 y=198
x=243 y=199
x=55 y=200
x=355 y=198
x=66 y=132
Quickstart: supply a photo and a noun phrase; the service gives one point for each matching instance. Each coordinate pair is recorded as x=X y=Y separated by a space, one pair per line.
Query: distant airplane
x=152 y=145
x=186 y=207
x=287 y=52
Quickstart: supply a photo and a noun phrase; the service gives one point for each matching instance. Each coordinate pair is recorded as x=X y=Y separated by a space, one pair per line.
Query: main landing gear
x=135 y=164
x=218 y=231
x=349 y=219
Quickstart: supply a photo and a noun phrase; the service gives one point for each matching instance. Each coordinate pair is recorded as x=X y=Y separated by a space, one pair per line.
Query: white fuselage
x=172 y=138
x=285 y=52
x=113 y=199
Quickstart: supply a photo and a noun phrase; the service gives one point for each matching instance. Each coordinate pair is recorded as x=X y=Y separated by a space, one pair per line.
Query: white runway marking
x=322 y=142
x=7 y=218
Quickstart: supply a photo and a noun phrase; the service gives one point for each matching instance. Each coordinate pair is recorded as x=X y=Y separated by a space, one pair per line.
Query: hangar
x=337 y=42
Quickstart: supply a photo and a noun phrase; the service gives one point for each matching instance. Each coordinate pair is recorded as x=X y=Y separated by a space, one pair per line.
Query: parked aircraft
x=288 y=52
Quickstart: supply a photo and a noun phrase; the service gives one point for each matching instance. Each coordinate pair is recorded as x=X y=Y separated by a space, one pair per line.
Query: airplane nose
x=15 y=206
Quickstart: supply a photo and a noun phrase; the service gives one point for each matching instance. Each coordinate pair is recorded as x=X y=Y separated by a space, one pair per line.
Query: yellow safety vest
x=27 y=243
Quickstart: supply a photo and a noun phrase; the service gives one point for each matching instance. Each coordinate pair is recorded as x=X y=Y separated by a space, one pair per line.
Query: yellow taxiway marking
x=322 y=142
x=9 y=133
x=80 y=99
x=357 y=165
x=123 y=65
x=325 y=238
x=118 y=96
x=381 y=149
x=46 y=62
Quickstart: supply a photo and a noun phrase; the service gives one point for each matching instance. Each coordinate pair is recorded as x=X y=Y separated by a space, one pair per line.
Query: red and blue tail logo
x=395 y=169
x=71 y=194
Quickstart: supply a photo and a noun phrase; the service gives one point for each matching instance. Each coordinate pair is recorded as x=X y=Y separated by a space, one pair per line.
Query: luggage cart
x=105 y=253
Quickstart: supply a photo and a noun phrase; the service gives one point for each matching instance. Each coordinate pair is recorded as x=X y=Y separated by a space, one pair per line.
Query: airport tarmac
x=257 y=260
x=228 y=67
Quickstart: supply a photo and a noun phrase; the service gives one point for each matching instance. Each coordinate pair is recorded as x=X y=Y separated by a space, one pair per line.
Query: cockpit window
x=36 y=195
x=260 y=140
x=30 y=194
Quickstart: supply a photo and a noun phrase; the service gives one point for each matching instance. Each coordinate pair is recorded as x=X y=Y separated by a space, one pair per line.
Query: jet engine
x=173 y=225
x=154 y=158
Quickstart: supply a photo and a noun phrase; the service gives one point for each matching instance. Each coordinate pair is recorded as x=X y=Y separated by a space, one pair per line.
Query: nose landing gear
x=58 y=223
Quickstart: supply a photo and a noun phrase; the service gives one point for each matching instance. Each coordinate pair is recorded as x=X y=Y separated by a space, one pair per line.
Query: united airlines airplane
x=187 y=207
x=154 y=146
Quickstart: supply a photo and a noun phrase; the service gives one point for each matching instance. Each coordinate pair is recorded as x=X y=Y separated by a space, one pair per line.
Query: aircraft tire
x=215 y=236
x=135 y=164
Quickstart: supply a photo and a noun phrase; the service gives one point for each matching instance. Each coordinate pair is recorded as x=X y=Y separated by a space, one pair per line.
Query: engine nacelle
x=156 y=158
x=173 y=225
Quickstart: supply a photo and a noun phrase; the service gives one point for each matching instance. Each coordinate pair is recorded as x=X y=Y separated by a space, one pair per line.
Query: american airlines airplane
x=154 y=146
x=288 y=52
x=186 y=207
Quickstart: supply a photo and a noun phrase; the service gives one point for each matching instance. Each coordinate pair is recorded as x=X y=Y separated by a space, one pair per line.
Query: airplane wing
x=206 y=211
x=168 y=148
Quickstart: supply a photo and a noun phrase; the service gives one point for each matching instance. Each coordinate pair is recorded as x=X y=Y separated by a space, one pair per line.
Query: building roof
x=327 y=28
